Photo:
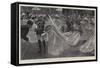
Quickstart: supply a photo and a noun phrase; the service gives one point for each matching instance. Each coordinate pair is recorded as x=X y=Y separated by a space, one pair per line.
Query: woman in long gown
x=57 y=41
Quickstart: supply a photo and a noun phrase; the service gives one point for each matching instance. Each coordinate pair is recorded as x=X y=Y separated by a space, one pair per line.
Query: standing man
x=39 y=31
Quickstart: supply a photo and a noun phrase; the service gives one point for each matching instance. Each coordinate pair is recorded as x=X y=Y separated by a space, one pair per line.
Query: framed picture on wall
x=52 y=33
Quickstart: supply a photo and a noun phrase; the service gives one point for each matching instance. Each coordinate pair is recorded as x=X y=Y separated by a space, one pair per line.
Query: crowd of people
x=58 y=31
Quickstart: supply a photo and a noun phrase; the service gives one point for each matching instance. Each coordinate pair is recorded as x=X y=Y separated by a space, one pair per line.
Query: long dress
x=32 y=34
x=58 y=42
x=55 y=44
